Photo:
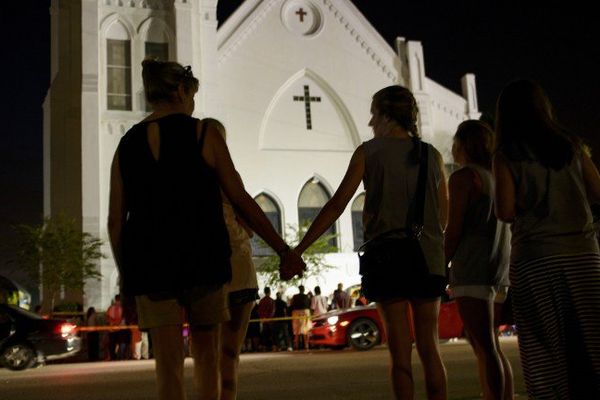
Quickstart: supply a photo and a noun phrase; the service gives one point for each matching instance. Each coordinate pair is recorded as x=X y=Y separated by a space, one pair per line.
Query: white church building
x=291 y=80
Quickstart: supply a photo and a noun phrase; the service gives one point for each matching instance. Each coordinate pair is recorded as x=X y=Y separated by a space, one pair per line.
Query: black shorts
x=382 y=287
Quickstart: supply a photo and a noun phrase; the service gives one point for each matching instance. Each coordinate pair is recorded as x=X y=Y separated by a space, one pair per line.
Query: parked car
x=27 y=339
x=362 y=328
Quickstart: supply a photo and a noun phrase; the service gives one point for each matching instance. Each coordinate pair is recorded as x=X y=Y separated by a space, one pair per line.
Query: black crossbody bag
x=386 y=256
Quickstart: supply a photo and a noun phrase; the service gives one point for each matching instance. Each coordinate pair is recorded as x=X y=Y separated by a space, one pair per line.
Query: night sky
x=557 y=45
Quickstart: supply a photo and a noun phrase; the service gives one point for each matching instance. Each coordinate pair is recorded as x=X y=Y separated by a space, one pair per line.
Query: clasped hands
x=291 y=264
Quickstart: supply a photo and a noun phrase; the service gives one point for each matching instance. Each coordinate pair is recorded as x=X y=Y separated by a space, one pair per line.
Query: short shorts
x=381 y=288
x=482 y=292
x=206 y=307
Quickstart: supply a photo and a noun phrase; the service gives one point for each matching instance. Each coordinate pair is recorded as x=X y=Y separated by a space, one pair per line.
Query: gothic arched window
x=156 y=46
x=312 y=199
x=357 y=220
x=156 y=41
x=118 y=68
x=273 y=213
x=157 y=50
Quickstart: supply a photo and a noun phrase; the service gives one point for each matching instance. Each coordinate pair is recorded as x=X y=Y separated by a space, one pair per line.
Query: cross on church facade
x=301 y=13
x=307 y=99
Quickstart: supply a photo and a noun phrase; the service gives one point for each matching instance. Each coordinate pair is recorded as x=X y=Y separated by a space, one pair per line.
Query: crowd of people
x=515 y=214
x=270 y=326
x=278 y=325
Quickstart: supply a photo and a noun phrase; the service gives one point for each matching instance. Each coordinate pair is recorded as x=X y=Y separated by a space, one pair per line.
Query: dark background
x=555 y=44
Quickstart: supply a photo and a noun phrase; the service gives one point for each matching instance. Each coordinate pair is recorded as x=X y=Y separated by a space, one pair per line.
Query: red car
x=361 y=327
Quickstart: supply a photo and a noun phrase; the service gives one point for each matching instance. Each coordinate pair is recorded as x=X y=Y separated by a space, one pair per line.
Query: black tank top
x=175 y=236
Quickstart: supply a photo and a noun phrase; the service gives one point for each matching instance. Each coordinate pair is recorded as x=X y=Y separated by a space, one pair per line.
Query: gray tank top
x=553 y=215
x=482 y=255
x=390 y=183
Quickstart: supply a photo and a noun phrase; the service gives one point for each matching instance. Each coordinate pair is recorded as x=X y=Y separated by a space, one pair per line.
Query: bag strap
x=417 y=225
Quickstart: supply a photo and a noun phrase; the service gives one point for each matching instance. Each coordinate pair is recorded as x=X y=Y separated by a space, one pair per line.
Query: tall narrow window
x=118 y=76
x=269 y=207
x=312 y=199
x=156 y=50
x=159 y=51
x=357 y=221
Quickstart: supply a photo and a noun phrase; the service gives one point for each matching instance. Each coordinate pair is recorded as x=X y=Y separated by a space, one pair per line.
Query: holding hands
x=291 y=265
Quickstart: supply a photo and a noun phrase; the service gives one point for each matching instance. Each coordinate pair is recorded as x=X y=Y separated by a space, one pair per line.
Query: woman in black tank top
x=167 y=232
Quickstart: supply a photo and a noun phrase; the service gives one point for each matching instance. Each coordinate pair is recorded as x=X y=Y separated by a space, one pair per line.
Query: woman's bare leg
x=167 y=342
x=478 y=319
x=397 y=327
x=233 y=333
x=205 y=351
x=425 y=318
x=509 y=390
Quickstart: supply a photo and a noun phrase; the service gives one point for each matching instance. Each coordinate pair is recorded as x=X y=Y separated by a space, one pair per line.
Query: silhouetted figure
x=544 y=179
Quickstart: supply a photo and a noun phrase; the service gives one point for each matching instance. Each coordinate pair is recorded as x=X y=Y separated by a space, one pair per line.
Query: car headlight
x=333 y=320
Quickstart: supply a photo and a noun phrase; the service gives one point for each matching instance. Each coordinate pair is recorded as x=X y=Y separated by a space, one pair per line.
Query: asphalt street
x=319 y=374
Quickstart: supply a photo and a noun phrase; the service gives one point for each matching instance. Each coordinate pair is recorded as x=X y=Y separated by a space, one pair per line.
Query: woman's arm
x=116 y=210
x=442 y=190
x=336 y=205
x=505 y=202
x=216 y=154
x=591 y=178
x=241 y=220
x=460 y=185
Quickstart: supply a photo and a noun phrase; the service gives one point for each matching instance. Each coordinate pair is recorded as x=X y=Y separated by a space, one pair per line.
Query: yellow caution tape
x=113 y=328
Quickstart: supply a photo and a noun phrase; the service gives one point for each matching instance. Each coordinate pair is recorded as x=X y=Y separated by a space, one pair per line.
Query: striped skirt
x=556 y=302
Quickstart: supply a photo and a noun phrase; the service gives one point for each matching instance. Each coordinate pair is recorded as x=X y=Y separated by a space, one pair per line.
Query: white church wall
x=267 y=131
x=91 y=158
x=138 y=24
x=250 y=71
x=448 y=111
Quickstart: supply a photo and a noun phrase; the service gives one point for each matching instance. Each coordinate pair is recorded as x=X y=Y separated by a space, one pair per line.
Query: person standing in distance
x=478 y=247
x=545 y=183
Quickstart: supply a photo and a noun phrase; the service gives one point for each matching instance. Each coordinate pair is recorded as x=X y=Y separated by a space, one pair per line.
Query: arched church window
x=357 y=220
x=156 y=40
x=118 y=68
x=273 y=213
x=156 y=45
x=159 y=51
x=312 y=199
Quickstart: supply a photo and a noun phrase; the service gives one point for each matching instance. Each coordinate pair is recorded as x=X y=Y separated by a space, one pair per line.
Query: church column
x=412 y=53
x=47 y=107
x=90 y=140
x=469 y=90
x=184 y=39
x=205 y=56
x=196 y=45
x=401 y=62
